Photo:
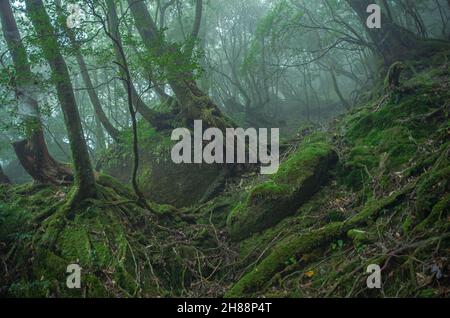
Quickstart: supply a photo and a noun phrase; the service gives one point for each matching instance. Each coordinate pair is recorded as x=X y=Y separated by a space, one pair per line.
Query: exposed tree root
x=298 y=245
x=40 y=165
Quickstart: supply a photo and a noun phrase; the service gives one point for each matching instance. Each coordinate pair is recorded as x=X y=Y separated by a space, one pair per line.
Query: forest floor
x=371 y=189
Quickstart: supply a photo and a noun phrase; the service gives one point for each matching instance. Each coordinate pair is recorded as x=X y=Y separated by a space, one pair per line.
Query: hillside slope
x=373 y=189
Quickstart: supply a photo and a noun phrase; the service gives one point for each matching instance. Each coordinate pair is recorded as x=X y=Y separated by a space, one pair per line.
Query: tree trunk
x=3 y=177
x=391 y=41
x=127 y=79
x=34 y=157
x=32 y=152
x=337 y=89
x=99 y=113
x=84 y=175
x=157 y=120
x=95 y=101
x=195 y=105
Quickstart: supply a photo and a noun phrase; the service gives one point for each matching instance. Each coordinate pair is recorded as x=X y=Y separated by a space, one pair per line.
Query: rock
x=295 y=182
x=160 y=179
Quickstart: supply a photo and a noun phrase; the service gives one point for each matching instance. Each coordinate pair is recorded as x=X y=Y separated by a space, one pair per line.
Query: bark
x=3 y=177
x=93 y=96
x=100 y=138
x=155 y=119
x=129 y=88
x=84 y=175
x=194 y=103
x=32 y=152
x=337 y=89
x=196 y=26
x=36 y=160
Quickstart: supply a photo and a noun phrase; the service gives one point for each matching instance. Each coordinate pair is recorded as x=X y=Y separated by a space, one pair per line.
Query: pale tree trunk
x=32 y=152
x=84 y=175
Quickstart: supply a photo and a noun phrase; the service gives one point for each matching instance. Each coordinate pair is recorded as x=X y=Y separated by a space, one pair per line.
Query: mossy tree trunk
x=84 y=175
x=32 y=152
x=194 y=103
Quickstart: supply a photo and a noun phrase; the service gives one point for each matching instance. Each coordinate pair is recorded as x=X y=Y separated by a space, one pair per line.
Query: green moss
x=75 y=246
x=296 y=245
x=295 y=182
x=97 y=238
x=438 y=213
x=293 y=246
x=303 y=162
x=359 y=237
x=432 y=186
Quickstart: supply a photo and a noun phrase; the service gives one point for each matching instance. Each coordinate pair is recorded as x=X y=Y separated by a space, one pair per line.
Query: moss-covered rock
x=160 y=179
x=295 y=182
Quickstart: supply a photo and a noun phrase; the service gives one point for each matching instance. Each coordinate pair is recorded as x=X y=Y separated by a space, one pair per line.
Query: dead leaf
x=309 y=274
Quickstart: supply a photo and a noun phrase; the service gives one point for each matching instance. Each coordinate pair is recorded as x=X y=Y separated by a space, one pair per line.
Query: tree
x=126 y=79
x=157 y=120
x=95 y=101
x=83 y=172
x=194 y=103
x=32 y=152
x=392 y=41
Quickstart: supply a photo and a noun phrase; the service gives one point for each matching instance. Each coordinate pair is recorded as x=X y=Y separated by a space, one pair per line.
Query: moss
x=438 y=213
x=407 y=224
x=359 y=237
x=297 y=245
x=433 y=184
x=113 y=183
x=302 y=163
x=161 y=180
x=306 y=217
x=295 y=182
x=97 y=238
x=293 y=246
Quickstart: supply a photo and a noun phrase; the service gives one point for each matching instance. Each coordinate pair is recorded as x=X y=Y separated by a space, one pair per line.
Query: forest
x=224 y=148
